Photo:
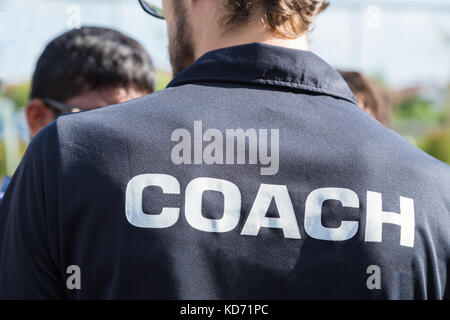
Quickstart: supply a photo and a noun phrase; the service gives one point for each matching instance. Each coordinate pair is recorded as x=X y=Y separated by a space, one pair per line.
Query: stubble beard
x=181 y=46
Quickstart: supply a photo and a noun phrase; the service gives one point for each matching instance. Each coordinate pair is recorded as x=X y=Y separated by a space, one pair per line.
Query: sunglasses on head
x=60 y=107
x=153 y=7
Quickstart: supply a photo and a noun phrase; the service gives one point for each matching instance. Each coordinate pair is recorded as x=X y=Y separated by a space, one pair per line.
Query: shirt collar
x=262 y=64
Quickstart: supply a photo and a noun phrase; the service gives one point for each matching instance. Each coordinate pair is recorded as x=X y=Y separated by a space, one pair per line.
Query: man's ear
x=38 y=115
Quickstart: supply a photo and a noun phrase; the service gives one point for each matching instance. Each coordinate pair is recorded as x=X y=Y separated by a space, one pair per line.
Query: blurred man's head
x=84 y=69
x=198 y=26
x=369 y=96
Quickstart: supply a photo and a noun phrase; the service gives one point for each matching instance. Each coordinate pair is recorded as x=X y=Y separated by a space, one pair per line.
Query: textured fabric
x=83 y=195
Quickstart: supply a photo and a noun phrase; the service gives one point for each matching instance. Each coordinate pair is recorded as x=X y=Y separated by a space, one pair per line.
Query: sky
x=406 y=42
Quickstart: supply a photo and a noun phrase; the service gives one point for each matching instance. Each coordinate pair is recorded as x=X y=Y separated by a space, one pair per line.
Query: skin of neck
x=209 y=33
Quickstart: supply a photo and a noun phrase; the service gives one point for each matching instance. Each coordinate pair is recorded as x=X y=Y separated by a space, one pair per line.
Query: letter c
x=313 y=214
x=133 y=201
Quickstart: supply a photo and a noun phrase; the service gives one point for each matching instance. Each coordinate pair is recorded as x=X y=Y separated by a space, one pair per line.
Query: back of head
x=198 y=27
x=91 y=58
x=286 y=18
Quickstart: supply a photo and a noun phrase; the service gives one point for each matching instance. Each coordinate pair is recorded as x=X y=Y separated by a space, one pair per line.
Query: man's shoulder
x=383 y=154
x=413 y=168
x=110 y=120
x=400 y=152
x=148 y=115
x=111 y=114
x=426 y=167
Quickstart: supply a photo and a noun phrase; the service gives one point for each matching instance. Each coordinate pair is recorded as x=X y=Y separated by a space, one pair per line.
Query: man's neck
x=210 y=40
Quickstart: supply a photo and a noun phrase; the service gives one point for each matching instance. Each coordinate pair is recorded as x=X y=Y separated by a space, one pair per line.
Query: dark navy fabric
x=66 y=203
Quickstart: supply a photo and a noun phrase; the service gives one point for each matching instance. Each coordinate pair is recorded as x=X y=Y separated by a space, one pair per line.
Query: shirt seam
x=290 y=84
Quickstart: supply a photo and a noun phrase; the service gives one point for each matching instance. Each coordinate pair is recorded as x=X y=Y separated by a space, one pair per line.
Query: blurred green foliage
x=415 y=108
x=162 y=79
x=437 y=144
x=2 y=159
x=18 y=93
x=430 y=123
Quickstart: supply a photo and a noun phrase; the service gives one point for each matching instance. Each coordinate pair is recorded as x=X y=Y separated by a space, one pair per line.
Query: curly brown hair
x=286 y=18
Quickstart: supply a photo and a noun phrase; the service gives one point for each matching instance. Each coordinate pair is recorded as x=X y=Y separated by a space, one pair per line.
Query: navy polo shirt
x=253 y=175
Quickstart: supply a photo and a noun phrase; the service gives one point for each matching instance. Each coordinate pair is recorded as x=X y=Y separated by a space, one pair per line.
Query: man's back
x=160 y=197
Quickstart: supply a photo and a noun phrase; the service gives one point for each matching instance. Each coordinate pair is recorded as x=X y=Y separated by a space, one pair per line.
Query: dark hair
x=369 y=96
x=287 y=18
x=91 y=58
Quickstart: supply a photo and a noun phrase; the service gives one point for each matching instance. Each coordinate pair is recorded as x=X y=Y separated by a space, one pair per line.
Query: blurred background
x=403 y=45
